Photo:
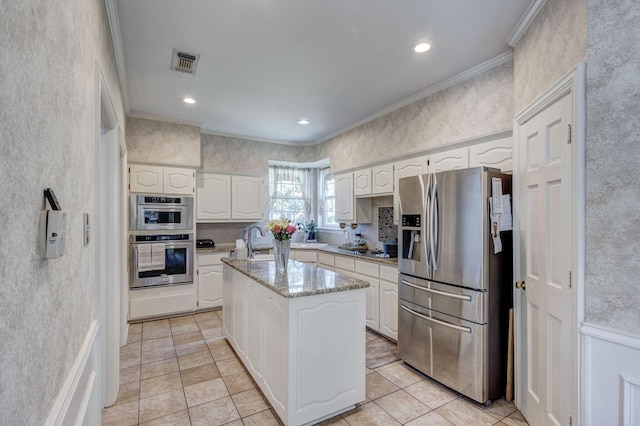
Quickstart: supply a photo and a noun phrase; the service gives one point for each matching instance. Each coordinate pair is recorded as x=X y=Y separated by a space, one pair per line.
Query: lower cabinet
x=382 y=295
x=210 y=280
x=160 y=301
x=304 y=255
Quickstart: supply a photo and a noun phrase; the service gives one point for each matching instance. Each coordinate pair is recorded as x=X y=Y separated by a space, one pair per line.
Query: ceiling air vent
x=184 y=61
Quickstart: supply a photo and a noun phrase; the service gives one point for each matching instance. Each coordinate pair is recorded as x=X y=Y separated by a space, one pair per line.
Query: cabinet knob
x=521 y=285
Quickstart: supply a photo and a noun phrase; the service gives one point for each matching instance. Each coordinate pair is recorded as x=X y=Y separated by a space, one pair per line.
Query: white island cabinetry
x=301 y=338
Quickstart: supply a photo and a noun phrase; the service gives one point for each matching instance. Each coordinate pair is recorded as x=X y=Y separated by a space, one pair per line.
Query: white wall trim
x=611 y=377
x=114 y=25
x=76 y=398
x=524 y=23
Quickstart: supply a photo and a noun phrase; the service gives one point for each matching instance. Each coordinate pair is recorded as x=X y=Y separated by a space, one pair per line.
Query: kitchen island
x=300 y=334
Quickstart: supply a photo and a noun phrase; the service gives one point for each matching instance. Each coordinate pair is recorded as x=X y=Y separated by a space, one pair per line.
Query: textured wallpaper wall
x=551 y=47
x=151 y=141
x=449 y=116
x=47 y=67
x=613 y=160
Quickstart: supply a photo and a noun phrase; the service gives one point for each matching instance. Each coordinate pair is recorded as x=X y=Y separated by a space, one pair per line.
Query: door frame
x=574 y=85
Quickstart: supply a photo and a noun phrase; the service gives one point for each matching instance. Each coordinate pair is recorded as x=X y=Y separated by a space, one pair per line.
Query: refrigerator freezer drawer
x=448 y=349
x=456 y=301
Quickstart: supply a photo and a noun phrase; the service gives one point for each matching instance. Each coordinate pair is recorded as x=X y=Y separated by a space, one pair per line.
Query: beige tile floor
x=181 y=371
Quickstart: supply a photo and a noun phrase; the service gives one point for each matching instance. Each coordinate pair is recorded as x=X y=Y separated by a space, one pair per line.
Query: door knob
x=521 y=285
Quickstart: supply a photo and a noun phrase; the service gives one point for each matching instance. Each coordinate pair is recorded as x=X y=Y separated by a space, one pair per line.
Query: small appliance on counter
x=390 y=248
x=205 y=243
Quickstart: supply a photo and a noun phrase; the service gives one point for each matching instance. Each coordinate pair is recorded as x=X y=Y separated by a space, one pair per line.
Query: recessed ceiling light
x=303 y=121
x=189 y=100
x=421 y=47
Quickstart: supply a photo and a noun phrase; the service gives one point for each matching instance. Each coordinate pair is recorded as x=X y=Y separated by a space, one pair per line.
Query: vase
x=281 y=254
x=312 y=236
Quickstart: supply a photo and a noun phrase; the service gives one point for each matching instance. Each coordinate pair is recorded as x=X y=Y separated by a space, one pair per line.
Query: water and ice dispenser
x=411 y=236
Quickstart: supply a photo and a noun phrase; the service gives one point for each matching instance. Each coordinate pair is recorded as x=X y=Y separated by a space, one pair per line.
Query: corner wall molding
x=114 y=25
x=524 y=23
x=610 y=335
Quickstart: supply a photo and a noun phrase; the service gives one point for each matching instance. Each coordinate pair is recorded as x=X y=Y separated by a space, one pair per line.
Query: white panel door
x=545 y=259
x=389 y=309
x=209 y=286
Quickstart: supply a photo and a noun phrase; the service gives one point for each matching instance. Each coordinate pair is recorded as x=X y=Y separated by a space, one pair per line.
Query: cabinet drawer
x=308 y=256
x=367 y=268
x=388 y=273
x=211 y=258
x=326 y=259
x=345 y=263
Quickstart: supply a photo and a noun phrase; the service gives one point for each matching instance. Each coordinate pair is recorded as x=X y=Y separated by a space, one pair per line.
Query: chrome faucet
x=263 y=233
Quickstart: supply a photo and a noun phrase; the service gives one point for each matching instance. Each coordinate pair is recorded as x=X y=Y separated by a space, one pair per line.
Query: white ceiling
x=266 y=63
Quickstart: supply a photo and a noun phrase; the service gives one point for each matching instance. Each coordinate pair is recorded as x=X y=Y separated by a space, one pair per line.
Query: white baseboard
x=611 y=376
x=78 y=401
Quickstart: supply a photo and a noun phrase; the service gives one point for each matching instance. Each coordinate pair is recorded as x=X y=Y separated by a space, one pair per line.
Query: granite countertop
x=300 y=279
x=369 y=256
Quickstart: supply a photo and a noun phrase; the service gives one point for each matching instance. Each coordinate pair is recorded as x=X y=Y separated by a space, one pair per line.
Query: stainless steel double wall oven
x=161 y=240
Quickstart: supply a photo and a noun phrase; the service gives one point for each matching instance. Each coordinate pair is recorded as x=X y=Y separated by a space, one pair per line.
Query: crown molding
x=465 y=75
x=144 y=116
x=114 y=25
x=527 y=19
x=207 y=131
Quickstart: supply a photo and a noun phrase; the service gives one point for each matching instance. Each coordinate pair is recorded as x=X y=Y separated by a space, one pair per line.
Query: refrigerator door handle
x=434 y=223
x=442 y=323
x=425 y=223
x=439 y=292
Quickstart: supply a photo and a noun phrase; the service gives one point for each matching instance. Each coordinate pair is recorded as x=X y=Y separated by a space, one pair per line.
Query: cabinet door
x=213 y=198
x=372 y=318
x=246 y=198
x=389 y=309
x=144 y=178
x=210 y=286
x=406 y=168
x=453 y=159
x=497 y=154
x=344 y=197
x=362 y=182
x=382 y=177
x=179 y=181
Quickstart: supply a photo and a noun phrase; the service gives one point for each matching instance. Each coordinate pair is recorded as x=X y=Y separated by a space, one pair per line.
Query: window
x=289 y=193
x=328 y=199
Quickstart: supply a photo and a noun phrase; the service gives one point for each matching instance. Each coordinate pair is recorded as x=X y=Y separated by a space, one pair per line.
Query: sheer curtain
x=290 y=193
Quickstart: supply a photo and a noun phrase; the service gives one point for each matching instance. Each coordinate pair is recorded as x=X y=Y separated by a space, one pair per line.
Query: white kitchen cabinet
x=210 y=280
x=349 y=208
x=344 y=197
x=497 y=154
x=370 y=272
x=144 y=178
x=229 y=198
x=406 y=168
x=304 y=255
x=326 y=261
x=362 y=182
x=389 y=301
x=382 y=178
x=246 y=198
x=213 y=197
x=452 y=159
x=161 y=301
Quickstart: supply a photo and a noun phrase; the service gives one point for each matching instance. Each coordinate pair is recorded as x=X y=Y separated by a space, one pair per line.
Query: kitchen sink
x=307 y=245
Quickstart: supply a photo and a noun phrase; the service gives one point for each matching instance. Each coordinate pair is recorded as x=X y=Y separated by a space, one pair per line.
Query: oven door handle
x=442 y=323
x=439 y=292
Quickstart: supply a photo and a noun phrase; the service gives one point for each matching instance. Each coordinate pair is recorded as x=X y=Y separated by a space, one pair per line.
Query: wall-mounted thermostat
x=53 y=231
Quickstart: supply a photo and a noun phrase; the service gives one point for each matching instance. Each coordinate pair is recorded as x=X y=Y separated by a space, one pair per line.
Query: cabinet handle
x=443 y=323
x=439 y=292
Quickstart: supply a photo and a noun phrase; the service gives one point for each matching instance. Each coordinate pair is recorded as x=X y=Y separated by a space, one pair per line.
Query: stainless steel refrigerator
x=454 y=290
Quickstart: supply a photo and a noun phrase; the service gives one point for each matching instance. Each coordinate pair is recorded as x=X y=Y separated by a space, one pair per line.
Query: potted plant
x=312 y=228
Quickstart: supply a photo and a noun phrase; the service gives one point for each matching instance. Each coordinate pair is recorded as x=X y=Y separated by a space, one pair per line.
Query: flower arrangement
x=281 y=229
x=311 y=226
